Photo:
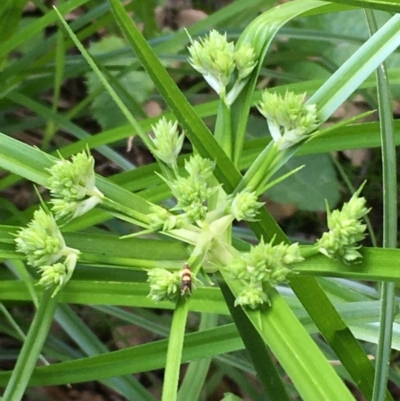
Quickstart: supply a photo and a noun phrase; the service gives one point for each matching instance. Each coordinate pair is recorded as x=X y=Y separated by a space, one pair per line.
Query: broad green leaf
x=310 y=187
x=132 y=86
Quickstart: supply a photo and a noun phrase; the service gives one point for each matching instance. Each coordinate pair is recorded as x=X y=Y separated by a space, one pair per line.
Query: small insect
x=186 y=279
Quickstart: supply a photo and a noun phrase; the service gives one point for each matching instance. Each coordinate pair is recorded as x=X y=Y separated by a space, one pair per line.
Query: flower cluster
x=44 y=246
x=345 y=231
x=192 y=192
x=289 y=119
x=167 y=142
x=244 y=205
x=72 y=185
x=263 y=267
x=217 y=60
x=164 y=285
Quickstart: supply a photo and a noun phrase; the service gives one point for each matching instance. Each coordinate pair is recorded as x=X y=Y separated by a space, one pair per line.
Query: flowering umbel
x=345 y=231
x=44 y=246
x=289 y=119
x=72 y=185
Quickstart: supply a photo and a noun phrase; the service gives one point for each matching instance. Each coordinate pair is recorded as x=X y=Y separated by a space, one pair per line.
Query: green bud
x=289 y=119
x=167 y=142
x=245 y=206
x=164 y=285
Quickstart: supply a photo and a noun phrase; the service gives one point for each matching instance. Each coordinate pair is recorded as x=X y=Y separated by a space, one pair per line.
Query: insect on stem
x=186 y=279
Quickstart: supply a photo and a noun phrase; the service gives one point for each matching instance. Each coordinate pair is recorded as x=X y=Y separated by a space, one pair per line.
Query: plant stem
x=174 y=354
x=389 y=183
x=123 y=212
x=197 y=371
x=32 y=347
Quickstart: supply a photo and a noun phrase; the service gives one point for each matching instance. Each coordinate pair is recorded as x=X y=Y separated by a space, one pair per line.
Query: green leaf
x=310 y=187
x=21 y=374
x=386 y=5
x=137 y=359
x=132 y=86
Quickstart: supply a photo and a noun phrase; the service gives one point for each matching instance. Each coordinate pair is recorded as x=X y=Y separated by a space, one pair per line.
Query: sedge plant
x=209 y=195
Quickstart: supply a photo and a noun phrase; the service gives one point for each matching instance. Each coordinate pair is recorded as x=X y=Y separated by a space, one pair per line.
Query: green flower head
x=44 y=246
x=41 y=241
x=265 y=266
x=72 y=184
x=164 y=285
x=289 y=119
x=58 y=274
x=167 y=141
x=245 y=206
x=345 y=231
x=199 y=168
x=245 y=59
x=252 y=296
x=193 y=192
x=213 y=57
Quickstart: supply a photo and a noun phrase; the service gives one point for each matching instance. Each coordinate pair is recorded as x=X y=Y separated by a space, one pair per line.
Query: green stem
x=260 y=169
x=255 y=346
x=32 y=347
x=125 y=213
x=389 y=181
x=223 y=129
x=174 y=353
x=19 y=332
x=197 y=371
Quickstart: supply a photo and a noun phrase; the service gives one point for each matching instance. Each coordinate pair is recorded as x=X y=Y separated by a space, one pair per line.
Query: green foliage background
x=325 y=297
